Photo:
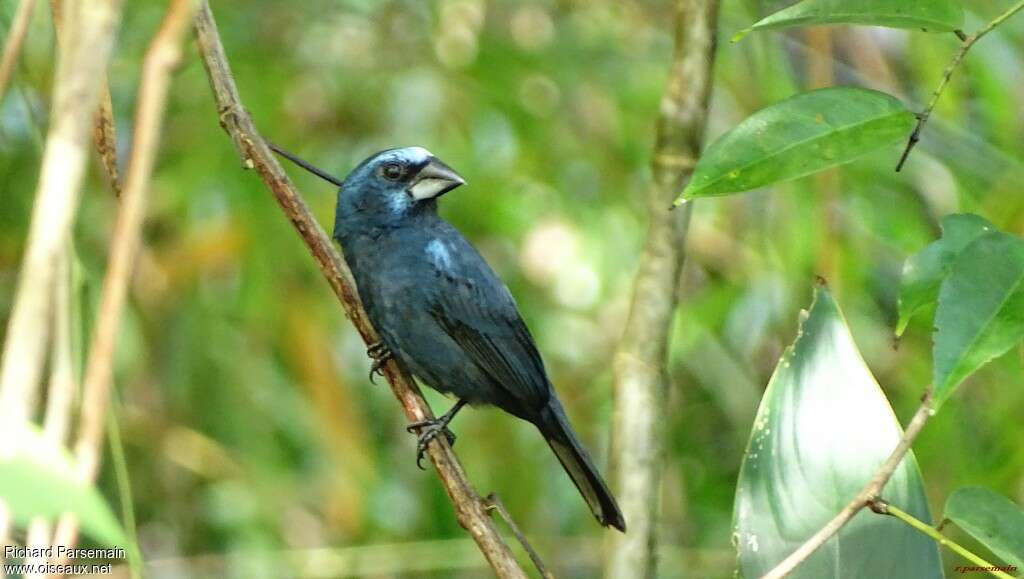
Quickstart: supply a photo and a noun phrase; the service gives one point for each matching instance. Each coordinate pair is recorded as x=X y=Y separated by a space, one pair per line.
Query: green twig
x=124 y=487
x=968 y=42
x=883 y=508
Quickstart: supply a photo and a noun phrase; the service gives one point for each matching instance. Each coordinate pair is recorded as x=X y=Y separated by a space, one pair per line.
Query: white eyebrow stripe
x=421 y=152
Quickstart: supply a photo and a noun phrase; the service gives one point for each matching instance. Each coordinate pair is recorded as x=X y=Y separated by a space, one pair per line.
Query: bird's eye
x=392 y=171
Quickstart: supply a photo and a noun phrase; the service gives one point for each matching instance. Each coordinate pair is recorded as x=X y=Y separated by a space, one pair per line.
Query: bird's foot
x=380 y=354
x=429 y=430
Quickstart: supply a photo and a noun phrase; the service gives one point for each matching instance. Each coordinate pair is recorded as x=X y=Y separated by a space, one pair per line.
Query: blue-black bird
x=442 y=312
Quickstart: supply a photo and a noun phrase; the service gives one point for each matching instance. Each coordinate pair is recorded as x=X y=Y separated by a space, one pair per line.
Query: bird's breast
x=396 y=268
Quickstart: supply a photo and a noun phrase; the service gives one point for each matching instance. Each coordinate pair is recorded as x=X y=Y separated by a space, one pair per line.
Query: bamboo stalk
x=81 y=62
x=161 y=59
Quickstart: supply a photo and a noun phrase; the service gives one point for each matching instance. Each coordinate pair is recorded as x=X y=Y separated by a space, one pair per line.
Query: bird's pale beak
x=434 y=179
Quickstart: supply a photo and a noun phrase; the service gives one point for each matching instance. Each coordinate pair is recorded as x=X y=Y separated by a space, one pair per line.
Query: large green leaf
x=923 y=273
x=801 y=135
x=39 y=480
x=992 y=519
x=933 y=15
x=981 y=309
x=823 y=428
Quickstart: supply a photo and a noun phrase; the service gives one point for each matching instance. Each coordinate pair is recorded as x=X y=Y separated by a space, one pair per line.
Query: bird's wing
x=477 y=311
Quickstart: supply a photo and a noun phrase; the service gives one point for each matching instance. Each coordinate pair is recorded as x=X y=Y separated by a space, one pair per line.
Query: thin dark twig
x=968 y=42
x=494 y=503
x=304 y=164
x=255 y=154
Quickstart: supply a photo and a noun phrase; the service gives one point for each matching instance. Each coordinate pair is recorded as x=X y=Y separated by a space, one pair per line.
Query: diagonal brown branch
x=469 y=507
x=870 y=493
x=640 y=376
x=161 y=59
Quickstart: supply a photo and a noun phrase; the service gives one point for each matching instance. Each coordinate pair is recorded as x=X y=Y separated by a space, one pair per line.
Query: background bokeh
x=256 y=446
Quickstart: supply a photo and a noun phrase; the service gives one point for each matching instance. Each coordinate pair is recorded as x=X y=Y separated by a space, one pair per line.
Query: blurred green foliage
x=250 y=429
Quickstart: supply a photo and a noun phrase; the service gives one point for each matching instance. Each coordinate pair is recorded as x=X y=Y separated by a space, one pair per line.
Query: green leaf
x=992 y=519
x=981 y=310
x=801 y=135
x=823 y=428
x=39 y=480
x=923 y=273
x=932 y=16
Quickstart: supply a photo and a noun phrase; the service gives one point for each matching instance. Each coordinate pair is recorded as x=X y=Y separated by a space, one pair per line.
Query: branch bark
x=869 y=494
x=470 y=509
x=162 y=57
x=641 y=380
x=104 y=138
x=104 y=134
x=15 y=40
x=968 y=42
x=82 y=61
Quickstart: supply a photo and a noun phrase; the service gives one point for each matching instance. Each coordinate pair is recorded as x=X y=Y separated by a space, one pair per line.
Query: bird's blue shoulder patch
x=437 y=251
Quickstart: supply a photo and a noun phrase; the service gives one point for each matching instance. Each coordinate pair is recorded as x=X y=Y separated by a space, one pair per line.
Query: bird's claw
x=429 y=430
x=380 y=354
x=377 y=368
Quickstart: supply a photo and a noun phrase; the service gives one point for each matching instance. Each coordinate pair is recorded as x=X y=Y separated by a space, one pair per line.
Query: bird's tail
x=554 y=425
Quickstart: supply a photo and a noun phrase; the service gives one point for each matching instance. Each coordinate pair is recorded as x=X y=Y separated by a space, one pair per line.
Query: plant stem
x=494 y=503
x=162 y=58
x=968 y=42
x=15 y=40
x=77 y=90
x=104 y=133
x=641 y=381
x=882 y=507
x=124 y=488
x=61 y=389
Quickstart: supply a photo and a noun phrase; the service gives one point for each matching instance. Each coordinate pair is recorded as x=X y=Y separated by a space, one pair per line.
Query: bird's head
x=392 y=186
